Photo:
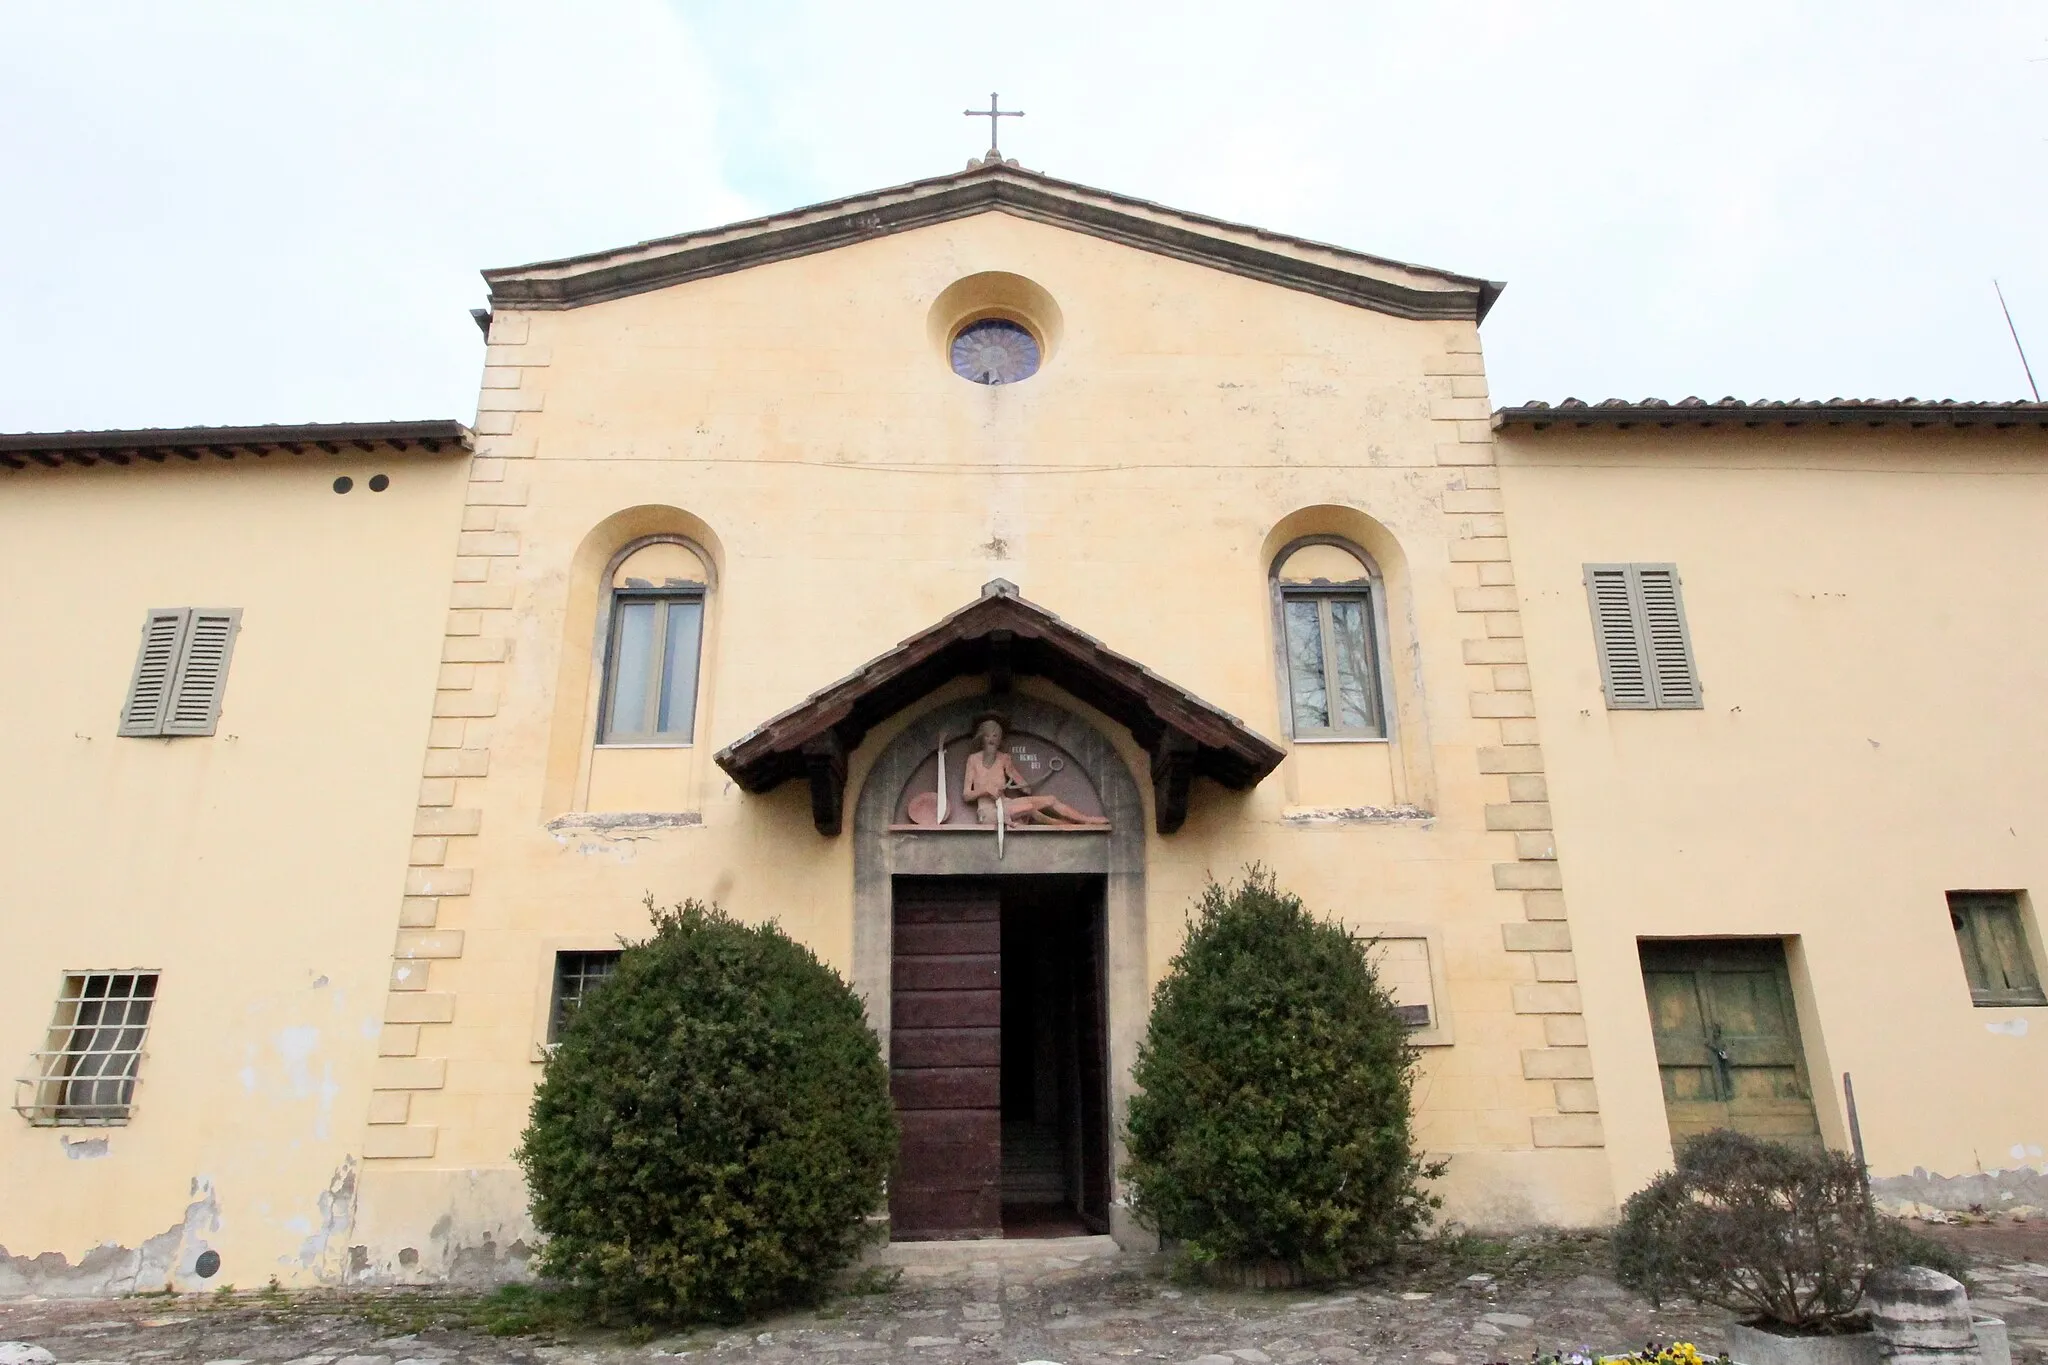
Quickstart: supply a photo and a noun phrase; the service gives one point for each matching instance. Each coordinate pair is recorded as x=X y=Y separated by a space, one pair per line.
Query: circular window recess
x=343 y=484
x=995 y=351
x=208 y=1264
x=379 y=482
x=995 y=327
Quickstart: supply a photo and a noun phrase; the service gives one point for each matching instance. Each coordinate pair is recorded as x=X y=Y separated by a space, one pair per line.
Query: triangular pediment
x=1002 y=636
x=1404 y=291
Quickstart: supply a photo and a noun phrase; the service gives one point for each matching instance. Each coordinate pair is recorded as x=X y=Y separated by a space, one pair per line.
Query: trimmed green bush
x=1273 y=1118
x=714 y=1128
x=1780 y=1234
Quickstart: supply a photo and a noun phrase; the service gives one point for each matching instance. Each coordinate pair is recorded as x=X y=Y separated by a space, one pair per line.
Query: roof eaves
x=56 y=449
x=1185 y=733
x=1621 y=414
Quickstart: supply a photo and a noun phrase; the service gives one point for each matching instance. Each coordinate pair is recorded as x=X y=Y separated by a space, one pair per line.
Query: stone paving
x=1022 y=1308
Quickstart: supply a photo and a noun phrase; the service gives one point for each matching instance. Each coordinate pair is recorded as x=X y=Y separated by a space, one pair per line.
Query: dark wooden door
x=1727 y=1039
x=945 y=1059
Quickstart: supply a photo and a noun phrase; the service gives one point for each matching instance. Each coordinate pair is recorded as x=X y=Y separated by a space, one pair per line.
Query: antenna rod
x=2016 y=343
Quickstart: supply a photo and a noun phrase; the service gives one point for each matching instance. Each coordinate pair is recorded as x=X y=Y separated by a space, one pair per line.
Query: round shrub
x=1273 y=1121
x=1783 y=1235
x=714 y=1128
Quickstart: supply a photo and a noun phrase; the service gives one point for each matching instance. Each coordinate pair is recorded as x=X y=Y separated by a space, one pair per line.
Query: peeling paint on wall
x=323 y=1250
x=1356 y=815
x=2022 y=1190
x=295 y=1047
x=605 y=822
x=84 y=1149
x=164 y=1261
x=616 y=832
x=442 y=1227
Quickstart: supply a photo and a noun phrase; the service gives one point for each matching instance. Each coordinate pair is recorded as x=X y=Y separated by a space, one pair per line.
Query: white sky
x=218 y=212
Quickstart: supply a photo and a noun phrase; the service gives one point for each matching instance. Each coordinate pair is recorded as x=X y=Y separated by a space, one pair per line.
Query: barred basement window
x=1997 y=959
x=576 y=975
x=86 y=1072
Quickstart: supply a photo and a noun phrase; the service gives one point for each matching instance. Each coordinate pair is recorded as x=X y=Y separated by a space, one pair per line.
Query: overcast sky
x=259 y=212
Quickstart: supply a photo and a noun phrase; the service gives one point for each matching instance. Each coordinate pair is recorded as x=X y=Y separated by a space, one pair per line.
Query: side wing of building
x=1788 y=666
x=219 y=668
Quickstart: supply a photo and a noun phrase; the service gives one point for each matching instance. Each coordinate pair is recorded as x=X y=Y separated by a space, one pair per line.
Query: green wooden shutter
x=1618 y=638
x=1996 y=955
x=1674 y=680
x=203 y=671
x=1640 y=634
x=156 y=669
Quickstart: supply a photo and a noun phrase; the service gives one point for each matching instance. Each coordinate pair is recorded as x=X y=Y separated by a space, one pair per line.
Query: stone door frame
x=1118 y=856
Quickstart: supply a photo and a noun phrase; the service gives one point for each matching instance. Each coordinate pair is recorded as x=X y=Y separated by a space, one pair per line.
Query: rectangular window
x=86 y=1072
x=576 y=974
x=1991 y=933
x=651 y=668
x=181 y=671
x=1639 y=629
x=1332 y=673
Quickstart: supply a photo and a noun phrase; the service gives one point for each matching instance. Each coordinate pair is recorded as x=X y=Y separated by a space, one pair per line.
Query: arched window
x=1329 y=636
x=654 y=636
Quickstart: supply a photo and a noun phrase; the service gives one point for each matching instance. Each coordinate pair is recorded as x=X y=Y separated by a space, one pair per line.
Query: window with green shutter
x=1640 y=634
x=1998 y=959
x=181 y=671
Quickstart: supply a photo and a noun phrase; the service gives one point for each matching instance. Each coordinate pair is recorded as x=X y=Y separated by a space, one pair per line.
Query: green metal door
x=1728 y=1039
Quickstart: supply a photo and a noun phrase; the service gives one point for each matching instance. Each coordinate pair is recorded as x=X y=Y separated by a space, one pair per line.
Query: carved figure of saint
x=990 y=772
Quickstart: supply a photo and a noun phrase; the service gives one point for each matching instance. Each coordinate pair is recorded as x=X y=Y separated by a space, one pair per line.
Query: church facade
x=962 y=576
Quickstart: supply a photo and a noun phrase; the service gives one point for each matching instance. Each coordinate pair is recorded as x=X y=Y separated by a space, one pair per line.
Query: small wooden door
x=1728 y=1039
x=945 y=1059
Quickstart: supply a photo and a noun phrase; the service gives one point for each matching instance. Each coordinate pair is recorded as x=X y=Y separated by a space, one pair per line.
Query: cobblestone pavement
x=1040 y=1309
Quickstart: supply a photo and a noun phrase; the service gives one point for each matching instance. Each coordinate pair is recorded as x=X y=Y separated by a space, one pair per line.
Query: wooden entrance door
x=1728 y=1039
x=945 y=1058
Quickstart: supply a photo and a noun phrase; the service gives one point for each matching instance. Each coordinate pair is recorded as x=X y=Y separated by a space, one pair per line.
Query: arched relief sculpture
x=994 y=778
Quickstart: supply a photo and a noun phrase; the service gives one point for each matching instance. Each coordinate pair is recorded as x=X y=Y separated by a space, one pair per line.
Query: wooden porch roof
x=1002 y=635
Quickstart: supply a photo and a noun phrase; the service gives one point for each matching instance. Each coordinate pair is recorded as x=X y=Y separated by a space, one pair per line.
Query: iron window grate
x=576 y=975
x=86 y=1072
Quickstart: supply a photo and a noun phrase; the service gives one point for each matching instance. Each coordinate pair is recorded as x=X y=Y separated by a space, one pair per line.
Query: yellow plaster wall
x=256 y=868
x=1865 y=612
x=800 y=420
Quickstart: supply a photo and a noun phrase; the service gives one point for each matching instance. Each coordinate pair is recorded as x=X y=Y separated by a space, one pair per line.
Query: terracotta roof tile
x=1699 y=412
x=56 y=449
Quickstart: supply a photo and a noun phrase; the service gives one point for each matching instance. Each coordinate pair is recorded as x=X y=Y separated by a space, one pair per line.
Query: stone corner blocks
x=397 y=1142
x=1567 y=1130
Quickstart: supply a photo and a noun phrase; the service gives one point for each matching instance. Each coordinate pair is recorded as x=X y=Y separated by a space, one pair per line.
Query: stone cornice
x=1290 y=262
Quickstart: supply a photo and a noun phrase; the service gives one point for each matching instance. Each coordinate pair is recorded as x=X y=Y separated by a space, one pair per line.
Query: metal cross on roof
x=992 y=114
